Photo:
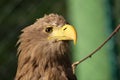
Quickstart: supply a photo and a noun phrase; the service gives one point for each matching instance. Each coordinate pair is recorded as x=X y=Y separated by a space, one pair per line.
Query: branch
x=97 y=49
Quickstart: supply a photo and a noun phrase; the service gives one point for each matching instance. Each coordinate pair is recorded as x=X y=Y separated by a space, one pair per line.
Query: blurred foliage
x=115 y=4
x=17 y=14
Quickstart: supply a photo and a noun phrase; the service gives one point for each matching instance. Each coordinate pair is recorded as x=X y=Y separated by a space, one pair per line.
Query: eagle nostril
x=65 y=28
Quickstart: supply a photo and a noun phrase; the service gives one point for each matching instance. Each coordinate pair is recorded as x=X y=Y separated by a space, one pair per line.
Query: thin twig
x=97 y=49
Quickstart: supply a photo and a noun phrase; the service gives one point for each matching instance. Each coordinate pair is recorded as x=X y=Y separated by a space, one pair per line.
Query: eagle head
x=43 y=48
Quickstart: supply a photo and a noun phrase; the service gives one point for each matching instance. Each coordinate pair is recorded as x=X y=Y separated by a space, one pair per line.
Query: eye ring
x=49 y=29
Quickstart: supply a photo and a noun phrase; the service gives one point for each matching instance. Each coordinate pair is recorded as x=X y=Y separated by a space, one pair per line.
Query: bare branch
x=97 y=49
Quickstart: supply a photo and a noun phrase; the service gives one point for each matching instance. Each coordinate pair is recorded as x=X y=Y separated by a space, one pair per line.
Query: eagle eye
x=49 y=29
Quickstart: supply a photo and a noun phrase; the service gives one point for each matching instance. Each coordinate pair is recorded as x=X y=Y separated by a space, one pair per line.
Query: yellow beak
x=67 y=32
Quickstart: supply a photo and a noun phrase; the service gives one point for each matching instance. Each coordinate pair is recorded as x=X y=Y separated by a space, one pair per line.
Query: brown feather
x=41 y=59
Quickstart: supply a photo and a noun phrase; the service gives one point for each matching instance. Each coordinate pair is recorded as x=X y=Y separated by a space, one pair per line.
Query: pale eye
x=49 y=29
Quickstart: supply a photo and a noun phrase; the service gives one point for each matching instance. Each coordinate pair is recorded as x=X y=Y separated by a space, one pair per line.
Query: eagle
x=43 y=50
